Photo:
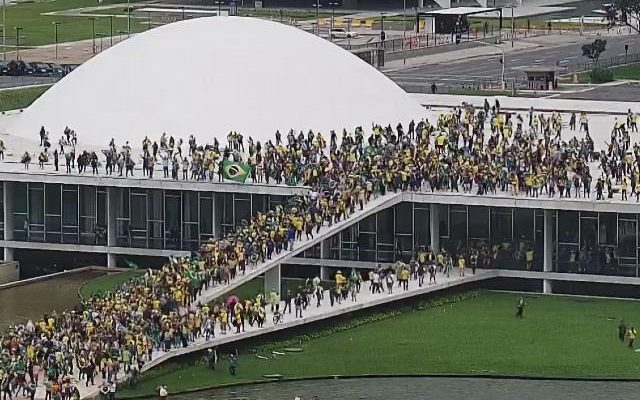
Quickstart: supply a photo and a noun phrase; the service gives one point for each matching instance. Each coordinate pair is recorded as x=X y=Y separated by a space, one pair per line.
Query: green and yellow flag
x=235 y=171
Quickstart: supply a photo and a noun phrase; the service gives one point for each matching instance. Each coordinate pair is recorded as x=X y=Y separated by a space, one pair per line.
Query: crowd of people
x=482 y=150
x=473 y=149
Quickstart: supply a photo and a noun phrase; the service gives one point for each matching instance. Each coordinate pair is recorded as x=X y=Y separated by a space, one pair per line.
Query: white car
x=341 y=33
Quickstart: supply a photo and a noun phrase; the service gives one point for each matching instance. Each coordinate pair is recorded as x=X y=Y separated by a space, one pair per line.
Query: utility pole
x=4 y=30
x=18 y=29
x=129 y=19
x=93 y=33
x=55 y=24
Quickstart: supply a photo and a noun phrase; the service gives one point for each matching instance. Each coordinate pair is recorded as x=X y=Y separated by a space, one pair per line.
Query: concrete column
x=7 y=191
x=273 y=279
x=547 y=260
x=111 y=225
x=434 y=227
x=325 y=248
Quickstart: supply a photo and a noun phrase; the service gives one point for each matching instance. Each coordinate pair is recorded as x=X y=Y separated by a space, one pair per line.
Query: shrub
x=601 y=75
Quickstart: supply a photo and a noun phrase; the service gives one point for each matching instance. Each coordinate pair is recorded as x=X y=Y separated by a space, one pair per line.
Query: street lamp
x=4 y=30
x=317 y=6
x=93 y=32
x=333 y=5
x=100 y=35
x=55 y=25
x=18 y=29
x=218 y=3
x=383 y=35
x=504 y=84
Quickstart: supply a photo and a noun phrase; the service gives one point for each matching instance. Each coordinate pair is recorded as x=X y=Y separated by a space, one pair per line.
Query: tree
x=593 y=50
x=625 y=12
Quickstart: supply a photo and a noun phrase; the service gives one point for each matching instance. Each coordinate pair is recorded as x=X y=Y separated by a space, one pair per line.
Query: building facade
x=50 y=226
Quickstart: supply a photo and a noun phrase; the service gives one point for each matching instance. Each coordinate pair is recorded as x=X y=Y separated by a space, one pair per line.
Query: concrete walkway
x=365 y=299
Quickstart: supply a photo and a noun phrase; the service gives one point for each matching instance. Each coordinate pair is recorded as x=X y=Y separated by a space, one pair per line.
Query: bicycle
x=277 y=318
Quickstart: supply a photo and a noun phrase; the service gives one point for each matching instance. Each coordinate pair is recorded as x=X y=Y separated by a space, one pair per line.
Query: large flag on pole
x=235 y=171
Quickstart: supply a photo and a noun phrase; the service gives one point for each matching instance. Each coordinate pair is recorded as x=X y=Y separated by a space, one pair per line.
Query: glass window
x=608 y=228
x=368 y=224
x=242 y=210
x=567 y=223
x=523 y=224
x=19 y=197
x=259 y=203
x=87 y=201
x=588 y=232
x=69 y=207
x=385 y=226
x=155 y=204
x=501 y=220
x=138 y=211
x=458 y=221
x=206 y=216
x=190 y=206
x=53 y=193
x=478 y=222
x=404 y=218
x=627 y=237
x=227 y=215
x=367 y=241
x=172 y=220
x=36 y=207
x=422 y=228
x=122 y=203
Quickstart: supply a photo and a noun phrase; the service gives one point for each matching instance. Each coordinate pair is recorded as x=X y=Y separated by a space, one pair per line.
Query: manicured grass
x=558 y=337
x=631 y=72
x=108 y=282
x=20 y=98
x=38 y=29
x=251 y=288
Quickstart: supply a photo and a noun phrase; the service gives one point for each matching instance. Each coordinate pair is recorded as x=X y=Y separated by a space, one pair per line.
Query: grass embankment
x=108 y=282
x=38 y=29
x=20 y=98
x=559 y=337
x=625 y=72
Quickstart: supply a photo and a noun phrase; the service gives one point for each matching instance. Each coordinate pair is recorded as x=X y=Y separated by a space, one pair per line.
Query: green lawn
x=631 y=72
x=559 y=337
x=108 y=282
x=38 y=29
x=20 y=98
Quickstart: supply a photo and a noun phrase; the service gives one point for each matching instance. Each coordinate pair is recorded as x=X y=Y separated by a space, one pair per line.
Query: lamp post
x=55 y=25
x=333 y=5
x=383 y=35
x=93 y=33
x=18 y=29
x=218 y=3
x=404 y=23
x=110 y=30
x=4 y=30
x=129 y=19
x=502 y=61
x=100 y=35
x=317 y=5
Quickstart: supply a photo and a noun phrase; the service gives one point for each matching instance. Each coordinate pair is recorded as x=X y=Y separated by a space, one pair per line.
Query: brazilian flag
x=235 y=171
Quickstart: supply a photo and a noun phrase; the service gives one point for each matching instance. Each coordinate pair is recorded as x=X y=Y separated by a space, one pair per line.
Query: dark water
x=32 y=300
x=425 y=388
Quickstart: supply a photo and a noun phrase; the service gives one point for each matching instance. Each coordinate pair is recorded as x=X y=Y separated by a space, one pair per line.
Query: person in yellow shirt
x=461 y=265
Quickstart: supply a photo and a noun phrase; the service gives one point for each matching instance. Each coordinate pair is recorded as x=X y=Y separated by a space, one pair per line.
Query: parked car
x=41 y=68
x=69 y=67
x=4 y=68
x=56 y=69
x=341 y=33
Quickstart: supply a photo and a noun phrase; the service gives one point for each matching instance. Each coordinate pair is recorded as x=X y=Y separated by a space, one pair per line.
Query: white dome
x=212 y=75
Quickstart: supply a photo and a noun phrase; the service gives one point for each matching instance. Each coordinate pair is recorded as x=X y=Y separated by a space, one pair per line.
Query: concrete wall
x=9 y=272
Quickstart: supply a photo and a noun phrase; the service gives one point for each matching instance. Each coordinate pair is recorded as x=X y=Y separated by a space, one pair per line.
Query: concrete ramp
x=375 y=205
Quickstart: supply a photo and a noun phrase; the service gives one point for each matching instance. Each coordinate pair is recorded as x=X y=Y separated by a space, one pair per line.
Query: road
x=477 y=70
